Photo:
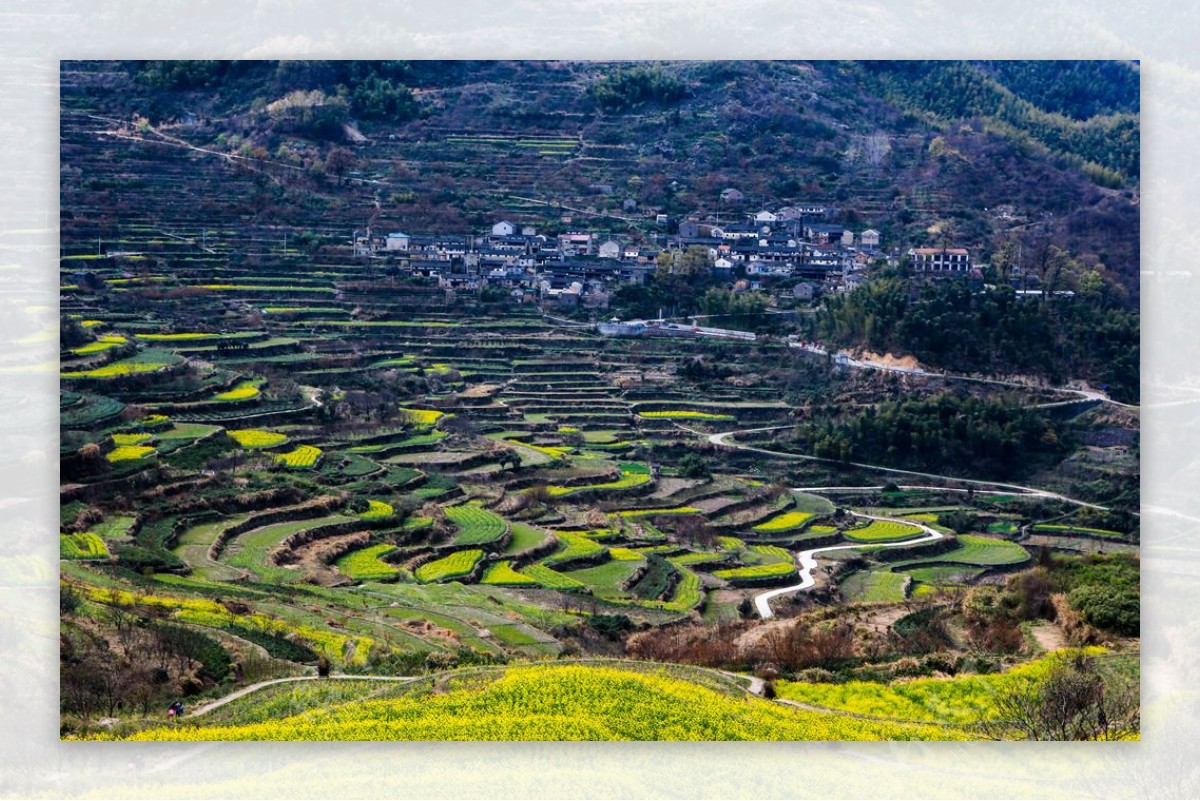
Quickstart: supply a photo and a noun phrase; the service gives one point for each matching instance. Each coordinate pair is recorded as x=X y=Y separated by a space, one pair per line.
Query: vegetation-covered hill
x=922 y=151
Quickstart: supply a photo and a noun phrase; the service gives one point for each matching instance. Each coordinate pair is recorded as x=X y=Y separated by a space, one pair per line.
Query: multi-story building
x=940 y=260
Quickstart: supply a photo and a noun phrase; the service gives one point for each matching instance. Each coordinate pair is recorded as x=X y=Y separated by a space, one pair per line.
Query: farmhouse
x=940 y=260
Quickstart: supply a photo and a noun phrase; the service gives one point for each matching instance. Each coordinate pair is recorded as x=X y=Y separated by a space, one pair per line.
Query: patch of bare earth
x=1049 y=636
x=880 y=621
x=753 y=637
x=315 y=557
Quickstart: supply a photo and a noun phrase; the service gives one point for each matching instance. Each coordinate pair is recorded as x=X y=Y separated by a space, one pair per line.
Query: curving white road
x=723 y=440
x=808 y=563
x=864 y=364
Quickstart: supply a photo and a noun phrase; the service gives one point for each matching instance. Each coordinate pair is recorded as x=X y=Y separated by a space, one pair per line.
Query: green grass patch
x=875 y=586
x=476 y=525
x=551 y=579
x=975 y=550
x=525 y=537
x=574 y=546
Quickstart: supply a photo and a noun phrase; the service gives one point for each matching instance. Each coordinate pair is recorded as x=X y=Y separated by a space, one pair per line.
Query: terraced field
x=279 y=455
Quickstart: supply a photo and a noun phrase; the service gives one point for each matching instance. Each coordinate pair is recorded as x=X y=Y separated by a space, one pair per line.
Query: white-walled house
x=503 y=228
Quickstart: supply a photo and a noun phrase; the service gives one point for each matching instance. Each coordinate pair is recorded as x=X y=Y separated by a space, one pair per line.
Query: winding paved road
x=862 y=364
x=807 y=562
x=723 y=440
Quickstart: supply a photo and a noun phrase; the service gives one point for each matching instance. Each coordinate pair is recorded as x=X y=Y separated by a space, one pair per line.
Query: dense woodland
x=968 y=436
x=948 y=325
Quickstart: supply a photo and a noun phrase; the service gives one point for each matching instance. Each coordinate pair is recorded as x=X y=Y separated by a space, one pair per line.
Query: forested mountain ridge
x=921 y=151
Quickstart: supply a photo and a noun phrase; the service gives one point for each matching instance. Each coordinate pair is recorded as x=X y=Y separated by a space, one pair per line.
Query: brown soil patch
x=752 y=638
x=878 y=622
x=907 y=362
x=315 y=557
x=1049 y=636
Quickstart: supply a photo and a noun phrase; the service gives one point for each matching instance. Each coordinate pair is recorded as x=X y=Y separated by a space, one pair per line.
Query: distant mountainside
x=974 y=153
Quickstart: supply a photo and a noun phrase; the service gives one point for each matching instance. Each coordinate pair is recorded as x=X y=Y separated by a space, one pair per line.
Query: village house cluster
x=792 y=250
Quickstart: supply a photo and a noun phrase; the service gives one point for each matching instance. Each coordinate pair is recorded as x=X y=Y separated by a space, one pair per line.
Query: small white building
x=869 y=238
x=503 y=228
x=940 y=260
x=847 y=238
x=609 y=250
x=396 y=241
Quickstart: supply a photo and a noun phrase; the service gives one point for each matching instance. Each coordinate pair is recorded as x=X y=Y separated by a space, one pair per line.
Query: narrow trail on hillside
x=233 y=696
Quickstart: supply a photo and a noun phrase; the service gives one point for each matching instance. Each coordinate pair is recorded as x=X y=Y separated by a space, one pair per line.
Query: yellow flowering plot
x=257 y=438
x=552 y=451
x=377 y=510
x=117 y=370
x=625 y=554
x=684 y=414
x=883 y=531
x=124 y=453
x=203 y=612
x=627 y=480
x=301 y=458
x=182 y=337
x=87 y=545
x=959 y=700
x=687 y=592
x=367 y=564
x=243 y=391
x=575 y=546
x=423 y=417
x=91 y=323
x=456 y=565
x=785 y=522
x=771 y=570
x=106 y=342
x=502 y=574
x=562 y=702
x=131 y=439
x=551 y=579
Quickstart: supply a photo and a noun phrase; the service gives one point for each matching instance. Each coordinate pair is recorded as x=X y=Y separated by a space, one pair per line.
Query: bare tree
x=1073 y=701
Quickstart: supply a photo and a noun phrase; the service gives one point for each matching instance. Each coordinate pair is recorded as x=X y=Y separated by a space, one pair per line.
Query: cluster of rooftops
x=794 y=241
